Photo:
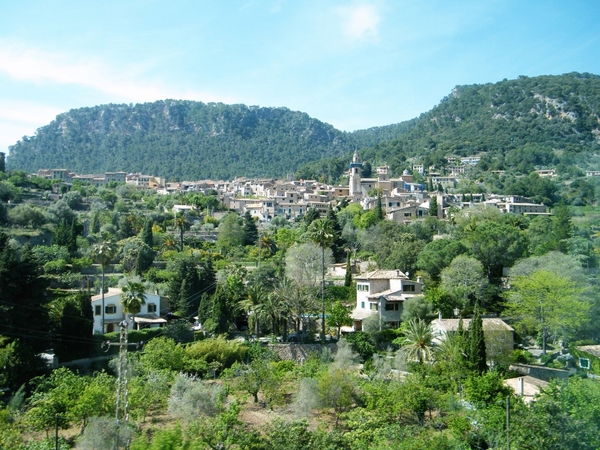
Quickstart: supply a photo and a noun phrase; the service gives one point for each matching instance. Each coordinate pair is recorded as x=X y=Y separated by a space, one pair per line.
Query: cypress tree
x=562 y=228
x=337 y=246
x=476 y=344
x=379 y=209
x=348 y=279
x=433 y=206
x=147 y=236
x=250 y=230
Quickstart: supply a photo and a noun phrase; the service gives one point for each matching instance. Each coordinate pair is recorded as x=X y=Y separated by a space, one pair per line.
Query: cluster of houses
x=402 y=198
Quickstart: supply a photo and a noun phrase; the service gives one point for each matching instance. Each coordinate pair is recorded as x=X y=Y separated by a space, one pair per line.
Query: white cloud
x=360 y=22
x=18 y=119
x=125 y=84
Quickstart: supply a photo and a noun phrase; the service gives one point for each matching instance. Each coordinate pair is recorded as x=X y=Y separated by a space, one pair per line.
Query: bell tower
x=354 y=183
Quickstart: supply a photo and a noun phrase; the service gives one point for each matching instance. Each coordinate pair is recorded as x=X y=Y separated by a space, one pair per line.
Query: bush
x=520 y=356
x=217 y=350
x=361 y=344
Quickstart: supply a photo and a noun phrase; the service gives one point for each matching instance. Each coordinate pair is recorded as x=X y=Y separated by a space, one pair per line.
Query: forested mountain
x=518 y=124
x=521 y=123
x=184 y=139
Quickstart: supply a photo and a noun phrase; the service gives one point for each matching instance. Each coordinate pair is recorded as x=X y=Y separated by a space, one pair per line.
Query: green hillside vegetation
x=251 y=283
x=182 y=139
x=519 y=125
x=192 y=390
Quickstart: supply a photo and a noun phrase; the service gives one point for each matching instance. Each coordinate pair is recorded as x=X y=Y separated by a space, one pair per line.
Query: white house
x=383 y=293
x=148 y=317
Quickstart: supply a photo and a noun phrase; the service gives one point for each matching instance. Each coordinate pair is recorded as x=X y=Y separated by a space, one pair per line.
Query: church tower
x=354 y=183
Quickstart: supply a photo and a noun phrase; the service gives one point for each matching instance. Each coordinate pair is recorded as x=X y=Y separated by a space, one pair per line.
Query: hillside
x=520 y=124
x=517 y=125
x=184 y=139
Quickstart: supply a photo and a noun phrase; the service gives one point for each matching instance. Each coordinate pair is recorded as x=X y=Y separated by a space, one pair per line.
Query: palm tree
x=182 y=224
x=133 y=297
x=103 y=252
x=272 y=308
x=298 y=301
x=256 y=295
x=417 y=344
x=322 y=233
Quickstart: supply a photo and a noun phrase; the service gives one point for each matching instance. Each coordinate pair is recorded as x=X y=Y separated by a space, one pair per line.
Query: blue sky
x=353 y=64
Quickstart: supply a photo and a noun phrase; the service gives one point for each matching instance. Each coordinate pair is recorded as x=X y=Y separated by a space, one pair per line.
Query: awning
x=361 y=314
x=148 y=318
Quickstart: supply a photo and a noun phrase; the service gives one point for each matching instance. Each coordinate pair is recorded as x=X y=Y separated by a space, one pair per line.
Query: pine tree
x=476 y=344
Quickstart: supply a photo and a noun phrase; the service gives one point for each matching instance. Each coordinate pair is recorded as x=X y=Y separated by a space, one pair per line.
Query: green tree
x=416 y=341
x=562 y=228
x=103 y=253
x=231 y=233
x=496 y=245
x=322 y=233
x=438 y=254
x=133 y=297
x=548 y=304
x=147 y=236
x=182 y=224
x=475 y=348
x=249 y=229
x=433 y=206
x=348 y=276
x=379 y=213
x=339 y=316
x=256 y=296
x=464 y=280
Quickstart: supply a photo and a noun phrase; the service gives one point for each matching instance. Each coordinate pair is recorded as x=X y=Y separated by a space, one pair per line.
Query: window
x=584 y=363
x=362 y=305
x=151 y=307
x=374 y=307
x=98 y=310
x=408 y=288
x=362 y=287
x=391 y=307
x=110 y=309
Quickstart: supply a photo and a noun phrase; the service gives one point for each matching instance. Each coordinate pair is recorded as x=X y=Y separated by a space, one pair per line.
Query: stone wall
x=541 y=372
x=299 y=352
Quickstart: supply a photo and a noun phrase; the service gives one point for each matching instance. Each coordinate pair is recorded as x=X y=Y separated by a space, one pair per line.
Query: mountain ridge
x=518 y=124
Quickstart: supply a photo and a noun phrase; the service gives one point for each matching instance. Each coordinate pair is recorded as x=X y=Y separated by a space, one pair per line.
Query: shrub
x=216 y=350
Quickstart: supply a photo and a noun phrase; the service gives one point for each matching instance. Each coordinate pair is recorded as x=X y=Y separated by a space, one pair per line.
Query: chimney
x=440 y=314
x=420 y=279
x=520 y=389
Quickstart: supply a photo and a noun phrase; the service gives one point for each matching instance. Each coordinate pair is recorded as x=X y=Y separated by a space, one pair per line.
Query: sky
x=353 y=64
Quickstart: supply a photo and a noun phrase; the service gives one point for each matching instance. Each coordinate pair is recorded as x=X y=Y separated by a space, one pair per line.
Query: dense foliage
x=517 y=124
x=180 y=139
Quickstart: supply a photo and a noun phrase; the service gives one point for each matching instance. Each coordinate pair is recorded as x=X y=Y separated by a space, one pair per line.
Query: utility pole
x=122 y=405
x=508 y=422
